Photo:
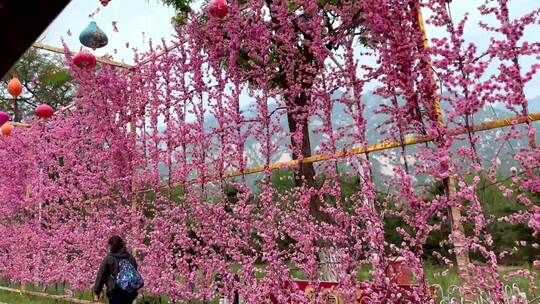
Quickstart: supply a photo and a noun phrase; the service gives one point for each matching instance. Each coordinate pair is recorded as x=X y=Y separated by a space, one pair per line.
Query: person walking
x=118 y=271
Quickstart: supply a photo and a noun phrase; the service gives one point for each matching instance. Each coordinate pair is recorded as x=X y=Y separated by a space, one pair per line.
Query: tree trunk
x=305 y=176
x=458 y=239
x=329 y=262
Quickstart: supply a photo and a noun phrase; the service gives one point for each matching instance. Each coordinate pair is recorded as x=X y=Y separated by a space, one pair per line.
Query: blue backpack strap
x=115 y=269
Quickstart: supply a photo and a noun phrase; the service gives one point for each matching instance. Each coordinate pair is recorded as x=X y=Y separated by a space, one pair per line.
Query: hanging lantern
x=218 y=9
x=4 y=117
x=15 y=87
x=44 y=111
x=104 y=2
x=93 y=37
x=6 y=129
x=85 y=60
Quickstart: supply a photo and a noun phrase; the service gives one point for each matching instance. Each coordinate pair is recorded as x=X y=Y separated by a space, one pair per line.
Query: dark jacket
x=109 y=269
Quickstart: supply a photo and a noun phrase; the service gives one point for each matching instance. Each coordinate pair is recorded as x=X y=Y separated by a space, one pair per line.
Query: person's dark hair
x=116 y=243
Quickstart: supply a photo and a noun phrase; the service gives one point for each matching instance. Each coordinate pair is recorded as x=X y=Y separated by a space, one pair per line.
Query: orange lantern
x=6 y=129
x=15 y=87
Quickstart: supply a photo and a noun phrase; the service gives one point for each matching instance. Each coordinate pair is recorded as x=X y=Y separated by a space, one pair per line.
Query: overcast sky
x=139 y=20
x=136 y=20
x=472 y=34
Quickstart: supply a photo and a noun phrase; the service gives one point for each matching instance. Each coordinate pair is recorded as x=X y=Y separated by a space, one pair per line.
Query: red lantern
x=15 y=87
x=6 y=129
x=44 y=111
x=218 y=9
x=85 y=60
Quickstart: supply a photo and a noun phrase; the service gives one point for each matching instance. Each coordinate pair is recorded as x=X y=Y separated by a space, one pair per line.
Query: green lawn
x=10 y=297
x=434 y=275
x=13 y=297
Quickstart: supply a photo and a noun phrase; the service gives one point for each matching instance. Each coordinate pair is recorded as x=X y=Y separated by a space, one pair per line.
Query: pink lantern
x=4 y=117
x=44 y=111
x=218 y=9
x=85 y=60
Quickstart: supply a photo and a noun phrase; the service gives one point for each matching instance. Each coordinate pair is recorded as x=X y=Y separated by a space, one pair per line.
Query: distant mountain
x=534 y=105
x=383 y=162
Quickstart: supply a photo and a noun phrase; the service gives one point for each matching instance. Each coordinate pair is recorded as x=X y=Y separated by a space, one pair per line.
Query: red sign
x=398 y=272
x=329 y=292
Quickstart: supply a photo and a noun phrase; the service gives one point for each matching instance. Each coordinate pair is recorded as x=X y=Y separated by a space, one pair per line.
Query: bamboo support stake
x=163 y=52
x=133 y=130
x=102 y=60
x=458 y=233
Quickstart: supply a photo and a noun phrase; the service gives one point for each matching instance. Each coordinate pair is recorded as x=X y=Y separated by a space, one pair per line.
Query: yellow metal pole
x=385 y=145
x=437 y=101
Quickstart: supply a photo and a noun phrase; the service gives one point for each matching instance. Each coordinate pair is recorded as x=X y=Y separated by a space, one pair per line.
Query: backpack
x=128 y=278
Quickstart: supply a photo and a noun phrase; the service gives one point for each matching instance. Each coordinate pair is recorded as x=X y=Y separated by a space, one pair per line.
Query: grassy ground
x=10 y=297
x=434 y=275
x=13 y=297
